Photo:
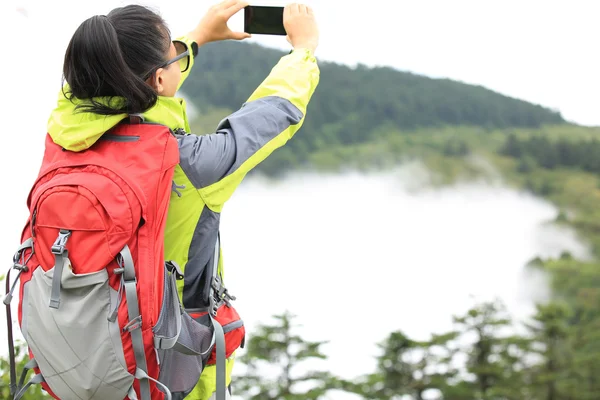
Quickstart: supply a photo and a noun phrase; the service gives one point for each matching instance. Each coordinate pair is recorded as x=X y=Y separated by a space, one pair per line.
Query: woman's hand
x=213 y=26
x=301 y=26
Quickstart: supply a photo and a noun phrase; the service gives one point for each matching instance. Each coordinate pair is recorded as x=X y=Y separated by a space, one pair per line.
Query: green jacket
x=211 y=166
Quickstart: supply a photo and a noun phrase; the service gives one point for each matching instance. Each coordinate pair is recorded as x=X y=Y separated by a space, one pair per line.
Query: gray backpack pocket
x=79 y=352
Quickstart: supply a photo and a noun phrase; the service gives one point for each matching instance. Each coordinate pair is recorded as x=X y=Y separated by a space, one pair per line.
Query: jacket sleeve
x=217 y=163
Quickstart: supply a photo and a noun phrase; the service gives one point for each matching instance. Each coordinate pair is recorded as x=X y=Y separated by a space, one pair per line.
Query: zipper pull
x=32 y=224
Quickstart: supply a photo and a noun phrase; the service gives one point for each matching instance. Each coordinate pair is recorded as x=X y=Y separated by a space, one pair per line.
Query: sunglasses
x=182 y=58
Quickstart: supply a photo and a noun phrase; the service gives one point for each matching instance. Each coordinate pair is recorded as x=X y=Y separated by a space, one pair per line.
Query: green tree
x=277 y=346
x=495 y=357
x=456 y=148
x=526 y=165
x=395 y=370
x=512 y=147
x=409 y=367
x=551 y=333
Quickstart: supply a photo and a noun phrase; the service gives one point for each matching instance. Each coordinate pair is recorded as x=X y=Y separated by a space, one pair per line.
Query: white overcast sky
x=545 y=52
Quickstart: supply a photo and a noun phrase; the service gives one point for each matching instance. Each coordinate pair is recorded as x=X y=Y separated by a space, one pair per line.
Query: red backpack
x=98 y=304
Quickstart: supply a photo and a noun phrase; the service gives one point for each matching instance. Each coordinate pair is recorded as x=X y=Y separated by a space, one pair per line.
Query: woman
x=125 y=63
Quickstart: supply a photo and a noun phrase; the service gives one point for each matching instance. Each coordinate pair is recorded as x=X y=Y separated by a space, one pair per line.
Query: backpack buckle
x=220 y=293
x=61 y=241
x=175 y=269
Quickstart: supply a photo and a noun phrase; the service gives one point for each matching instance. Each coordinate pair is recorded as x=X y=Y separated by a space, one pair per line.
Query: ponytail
x=109 y=56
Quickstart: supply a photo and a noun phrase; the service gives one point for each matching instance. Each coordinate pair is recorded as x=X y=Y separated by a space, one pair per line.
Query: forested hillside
x=351 y=105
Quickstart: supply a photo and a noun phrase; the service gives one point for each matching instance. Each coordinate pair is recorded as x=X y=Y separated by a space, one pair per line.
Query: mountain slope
x=352 y=105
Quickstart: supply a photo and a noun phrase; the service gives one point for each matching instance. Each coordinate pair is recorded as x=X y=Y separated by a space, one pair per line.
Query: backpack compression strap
x=219 y=334
x=61 y=258
x=134 y=326
x=19 y=265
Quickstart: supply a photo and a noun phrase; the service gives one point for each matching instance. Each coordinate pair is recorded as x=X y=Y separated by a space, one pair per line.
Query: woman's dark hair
x=112 y=56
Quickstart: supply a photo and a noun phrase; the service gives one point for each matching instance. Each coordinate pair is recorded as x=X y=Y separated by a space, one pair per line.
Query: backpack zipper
x=119 y=138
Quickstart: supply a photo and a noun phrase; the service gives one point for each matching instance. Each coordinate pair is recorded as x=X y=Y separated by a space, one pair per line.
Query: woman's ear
x=157 y=81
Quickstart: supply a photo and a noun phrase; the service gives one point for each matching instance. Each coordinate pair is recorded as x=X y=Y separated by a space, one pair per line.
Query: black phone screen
x=264 y=20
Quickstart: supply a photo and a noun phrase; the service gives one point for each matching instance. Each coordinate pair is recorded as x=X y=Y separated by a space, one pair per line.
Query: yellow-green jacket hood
x=77 y=131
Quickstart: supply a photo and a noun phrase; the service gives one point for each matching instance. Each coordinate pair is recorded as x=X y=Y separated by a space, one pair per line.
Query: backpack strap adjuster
x=133 y=324
x=58 y=247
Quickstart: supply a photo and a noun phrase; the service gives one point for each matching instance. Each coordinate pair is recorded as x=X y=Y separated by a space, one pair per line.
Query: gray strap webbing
x=183 y=349
x=19 y=264
x=34 y=379
x=216 y=256
x=132 y=395
x=31 y=364
x=133 y=310
x=142 y=376
x=25 y=245
x=219 y=335
x=61 y=262
x=61 y=259
x=221 y=370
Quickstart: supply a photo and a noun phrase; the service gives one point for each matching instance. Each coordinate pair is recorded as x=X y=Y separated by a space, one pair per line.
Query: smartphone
x=263 y=20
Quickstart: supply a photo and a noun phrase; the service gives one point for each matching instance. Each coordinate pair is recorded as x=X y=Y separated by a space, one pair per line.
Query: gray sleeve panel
x=197 y=273
x=207 y=159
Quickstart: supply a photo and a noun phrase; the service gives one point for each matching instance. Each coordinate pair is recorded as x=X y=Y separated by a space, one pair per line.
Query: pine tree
x=495 y=357
x=410 y=367
x=278 y=347
x=551 y=334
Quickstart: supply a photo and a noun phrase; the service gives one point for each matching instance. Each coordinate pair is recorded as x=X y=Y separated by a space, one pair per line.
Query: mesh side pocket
x=181 y=372
x=181 y=365
x=166 y=326
x=195 y=335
